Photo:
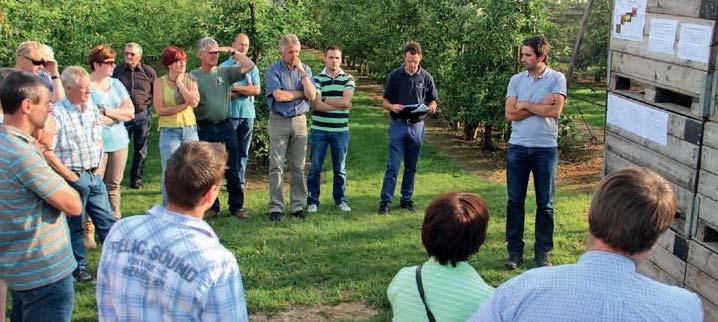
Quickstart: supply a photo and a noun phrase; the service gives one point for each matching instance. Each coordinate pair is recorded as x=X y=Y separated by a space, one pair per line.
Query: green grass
x=332 y=257
x=591 y=103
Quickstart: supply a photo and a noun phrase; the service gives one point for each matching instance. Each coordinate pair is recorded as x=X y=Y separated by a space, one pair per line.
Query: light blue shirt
x=535 y=131
x=600 y=287
x=114 y=136
x=165 y=266
x=243 y=106
x=278 y=76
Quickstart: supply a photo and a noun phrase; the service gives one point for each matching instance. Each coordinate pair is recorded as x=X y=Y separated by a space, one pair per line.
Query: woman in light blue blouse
x=113 y=101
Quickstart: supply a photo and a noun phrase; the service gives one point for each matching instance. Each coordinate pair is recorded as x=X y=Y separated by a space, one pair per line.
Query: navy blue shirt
x=402 y=88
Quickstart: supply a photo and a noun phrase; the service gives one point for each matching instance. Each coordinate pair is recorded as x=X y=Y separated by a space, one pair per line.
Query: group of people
x=65 y=145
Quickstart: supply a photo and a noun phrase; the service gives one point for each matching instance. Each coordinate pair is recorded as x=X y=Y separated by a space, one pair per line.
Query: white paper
x=694 y=42
x=629 y=18
x=638 y=119
x=663 y=36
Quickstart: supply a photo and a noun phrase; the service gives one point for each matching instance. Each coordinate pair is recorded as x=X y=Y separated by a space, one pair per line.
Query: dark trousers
x=139 y=131
x=95 y=204
x=49 y=303
x=520 y=161
x=404 y=143
x=224 y=132
x=244 y=128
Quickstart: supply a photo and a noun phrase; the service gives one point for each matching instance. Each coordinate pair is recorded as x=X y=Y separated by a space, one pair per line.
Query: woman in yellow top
x=174 y=96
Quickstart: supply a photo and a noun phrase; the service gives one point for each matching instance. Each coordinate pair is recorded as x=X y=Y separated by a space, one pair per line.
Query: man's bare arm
x=551 y=106
x=512 y=112
x=345 y=102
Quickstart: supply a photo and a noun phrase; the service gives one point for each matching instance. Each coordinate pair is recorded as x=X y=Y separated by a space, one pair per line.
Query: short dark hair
x=411 y=47
x=539 y=44
x=454 y=227
x=17 y=87
x=331 y=47
x=192 y=170
x=630 y=209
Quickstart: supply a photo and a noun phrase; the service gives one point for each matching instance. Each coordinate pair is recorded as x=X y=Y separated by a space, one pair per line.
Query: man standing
x=241 y=111
x=36 y=58
x=170 y=265
x=330 y=127
x=409 y=94
x=212 y=113
x=137 y=78
x=289 y=91
x=604 y=284
x=35 y=252
x=76 y=157
x=534 y=101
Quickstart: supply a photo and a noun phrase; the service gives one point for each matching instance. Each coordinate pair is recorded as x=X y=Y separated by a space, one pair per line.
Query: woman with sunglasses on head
x=174 y=97
x=112 y=101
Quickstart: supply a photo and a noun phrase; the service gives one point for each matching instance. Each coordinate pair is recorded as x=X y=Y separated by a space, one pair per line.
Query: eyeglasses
x=107 y=62
x=131 y=54
x=213 y=52
x=38 y=62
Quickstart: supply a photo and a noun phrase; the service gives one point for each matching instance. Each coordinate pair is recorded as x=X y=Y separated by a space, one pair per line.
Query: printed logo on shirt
x=151 y=264
x=219 y=80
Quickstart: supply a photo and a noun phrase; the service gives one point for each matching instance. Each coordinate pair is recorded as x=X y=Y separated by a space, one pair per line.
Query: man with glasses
x=137 y=78
x=212 y=113
x=32 y=57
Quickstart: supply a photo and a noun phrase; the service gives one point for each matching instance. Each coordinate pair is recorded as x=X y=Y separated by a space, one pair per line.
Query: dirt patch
x=349 y=311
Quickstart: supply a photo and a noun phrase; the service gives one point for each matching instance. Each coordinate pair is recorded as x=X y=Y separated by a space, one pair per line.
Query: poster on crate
x=694 y=42
x=638 y=119
x=663 y=36
x=629 y=18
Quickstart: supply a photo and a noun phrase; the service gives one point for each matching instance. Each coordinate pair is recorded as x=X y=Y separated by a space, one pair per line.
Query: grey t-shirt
x=535 y=131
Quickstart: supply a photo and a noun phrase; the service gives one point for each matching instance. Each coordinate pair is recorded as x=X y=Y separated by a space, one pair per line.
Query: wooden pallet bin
x=706 y=219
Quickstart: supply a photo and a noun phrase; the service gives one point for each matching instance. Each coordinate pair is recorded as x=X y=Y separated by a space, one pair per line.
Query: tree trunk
x=579 y=40
x=486 y=143
x=253 y=32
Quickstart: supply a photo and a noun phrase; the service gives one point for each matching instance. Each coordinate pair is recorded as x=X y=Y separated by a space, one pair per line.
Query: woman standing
x=174 y=96
x=113 y=101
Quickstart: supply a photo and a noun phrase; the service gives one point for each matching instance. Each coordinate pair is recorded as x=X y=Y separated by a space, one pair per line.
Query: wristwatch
x=101 y=109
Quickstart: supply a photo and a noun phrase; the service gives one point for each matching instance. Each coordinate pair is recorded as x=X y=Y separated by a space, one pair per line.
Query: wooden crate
x=667 y=261
x=701 y=273
x=706 y=9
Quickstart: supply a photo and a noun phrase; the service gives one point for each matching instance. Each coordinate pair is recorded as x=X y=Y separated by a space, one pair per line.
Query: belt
x=203 y=123
x=92 y=170
x=287 y=117
x=407 y=121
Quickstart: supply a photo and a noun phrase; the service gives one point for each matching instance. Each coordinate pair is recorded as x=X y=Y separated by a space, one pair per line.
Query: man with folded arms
x=35 y=252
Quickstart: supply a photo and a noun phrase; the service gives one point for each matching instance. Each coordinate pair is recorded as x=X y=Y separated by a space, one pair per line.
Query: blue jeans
x=404 y=142
x=243 y=127
x=224 y=132
x=520 y=161
x=338 y=143
x=170 y=140
x=49 y=303
x=95 y=204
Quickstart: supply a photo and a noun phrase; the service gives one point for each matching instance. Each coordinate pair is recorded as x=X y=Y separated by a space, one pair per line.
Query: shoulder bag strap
x=420 y=286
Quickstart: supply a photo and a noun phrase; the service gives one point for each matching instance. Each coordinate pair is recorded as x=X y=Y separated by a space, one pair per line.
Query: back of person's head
x=193 y=169
x=630 y=209
x=454 y=227
x=18 y=86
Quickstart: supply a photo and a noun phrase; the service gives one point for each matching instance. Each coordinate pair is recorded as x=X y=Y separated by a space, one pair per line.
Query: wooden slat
x=674 y=171
x=706 y=235
x=708 y=210
x=681 y=79
x=669 y=263
x=675 y=149
x=688 y=8
x=709 y=160
x=710 y=136
x=703 y=258
x=708 y=185
x=654 y=272
x=705 y=285
x=710 y=311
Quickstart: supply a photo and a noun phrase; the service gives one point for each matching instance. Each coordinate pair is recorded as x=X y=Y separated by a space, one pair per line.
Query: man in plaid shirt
x=76 y=155
x=169 y=265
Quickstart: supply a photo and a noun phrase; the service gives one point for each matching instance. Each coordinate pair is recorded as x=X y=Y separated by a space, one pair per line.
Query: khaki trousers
x=287 y=140
x=111 y=169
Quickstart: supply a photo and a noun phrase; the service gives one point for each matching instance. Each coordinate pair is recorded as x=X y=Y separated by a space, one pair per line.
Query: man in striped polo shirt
x=35 y=252
x=330 y=127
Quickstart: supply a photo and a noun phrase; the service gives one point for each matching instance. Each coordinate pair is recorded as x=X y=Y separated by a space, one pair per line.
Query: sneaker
x=299 y=214
x=240 y=214
x=275 y=216
x=312 y=208
x=513 y=262
x=88 y=240
x=344 y=207
x=384 y=208
x=82 y=276
x=209 y=214
x=541 y=260
x=408 y=205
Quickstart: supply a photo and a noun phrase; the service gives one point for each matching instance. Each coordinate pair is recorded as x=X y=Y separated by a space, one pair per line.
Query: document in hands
x=416 y=108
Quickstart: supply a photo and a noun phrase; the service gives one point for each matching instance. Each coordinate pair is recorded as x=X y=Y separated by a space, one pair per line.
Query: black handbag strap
x=420 y=285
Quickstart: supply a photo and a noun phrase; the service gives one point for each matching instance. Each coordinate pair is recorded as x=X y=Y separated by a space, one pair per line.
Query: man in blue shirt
x=289 y=89
x=533 y=104
x=169 y=264
x=241 y=112
x=604 y=285
x=409 y=94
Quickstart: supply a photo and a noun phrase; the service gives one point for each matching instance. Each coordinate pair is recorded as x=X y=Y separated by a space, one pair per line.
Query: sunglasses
x=38 y=62
x=107 y=62
x=213 y=52
x=127 y=53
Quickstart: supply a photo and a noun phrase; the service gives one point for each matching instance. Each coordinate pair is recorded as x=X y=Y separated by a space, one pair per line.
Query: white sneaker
x=312 y=208
x=344 y=207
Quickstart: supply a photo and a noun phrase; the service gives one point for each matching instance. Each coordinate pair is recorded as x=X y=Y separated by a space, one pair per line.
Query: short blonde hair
x=71 y=75
x=288 y=40
x=26 y=47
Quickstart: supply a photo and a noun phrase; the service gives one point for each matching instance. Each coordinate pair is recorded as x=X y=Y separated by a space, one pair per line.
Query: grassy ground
x=332 y=257
x=589 y=102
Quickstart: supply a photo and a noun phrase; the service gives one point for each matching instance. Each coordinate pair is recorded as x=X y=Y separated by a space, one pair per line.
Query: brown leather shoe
x=241 y=214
